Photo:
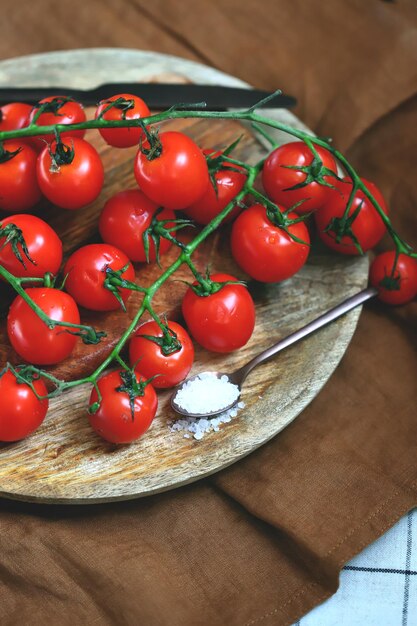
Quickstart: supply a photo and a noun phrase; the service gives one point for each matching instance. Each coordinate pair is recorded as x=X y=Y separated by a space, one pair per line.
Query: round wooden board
x=64 y=461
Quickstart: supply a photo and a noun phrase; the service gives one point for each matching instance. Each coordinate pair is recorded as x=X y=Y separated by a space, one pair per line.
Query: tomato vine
x=29 y=373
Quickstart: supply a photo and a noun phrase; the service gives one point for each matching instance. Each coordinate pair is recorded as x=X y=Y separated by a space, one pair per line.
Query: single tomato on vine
x=363 y=224
x=226 y=181
x=172 y=171
x=70 y=174
x=29 y=246
x=14 y=116
x=125 y=218
x=85 y=272
x=292 y=174
x=127 y=107
x=168 y=356
x=19 y=187
x=127 y=407
x=222 y=321
x=265 y=250
x=21 y=412
x=394 y=287
x=59 y=110
x=30 y=336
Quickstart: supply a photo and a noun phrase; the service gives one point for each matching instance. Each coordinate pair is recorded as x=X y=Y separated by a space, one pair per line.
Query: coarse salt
x=199 y=426
x=207 y=394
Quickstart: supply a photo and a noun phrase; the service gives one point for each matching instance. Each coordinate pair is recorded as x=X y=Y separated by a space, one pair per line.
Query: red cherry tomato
x=367 y=227
x=177 y=176
x=19 y=187
x=21 y=412
x=397 y=288
x=14 y=116
x=74 y=184
x=124 y=219
x=223 y=321
x=228 y=183
x=31 y=338
x=122 y=137
x=62 y=111
x=113 y=420
x=265 y=251
x=44 y=247
x=277 y=178
x=172 y=367
x=86 y=273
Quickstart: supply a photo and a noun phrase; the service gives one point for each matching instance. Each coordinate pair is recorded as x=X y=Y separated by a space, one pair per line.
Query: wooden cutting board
x=64 y=461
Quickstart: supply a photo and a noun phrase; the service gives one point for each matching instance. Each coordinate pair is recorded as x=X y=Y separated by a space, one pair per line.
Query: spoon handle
x=308 y=329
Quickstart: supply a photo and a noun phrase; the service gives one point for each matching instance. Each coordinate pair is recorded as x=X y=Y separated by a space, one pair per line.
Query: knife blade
x=158 y=96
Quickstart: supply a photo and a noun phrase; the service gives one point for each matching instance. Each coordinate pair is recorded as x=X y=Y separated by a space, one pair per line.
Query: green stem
x=16 y=283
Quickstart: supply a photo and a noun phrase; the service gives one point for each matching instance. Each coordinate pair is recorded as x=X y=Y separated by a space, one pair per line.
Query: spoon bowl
x=233 y=379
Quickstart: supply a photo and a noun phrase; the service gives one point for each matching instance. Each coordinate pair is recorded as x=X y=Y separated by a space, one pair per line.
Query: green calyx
x=391 y=283
x=168 y=343
x=24 y=374
x=89 y=336
x=114 y=282
x=207 y=287
x=132 y=388
x=61 y=155
x=13 y=235
x=219 y=163
x=27 y=375
x=314 y=173
x=122 y=104
x=281 y=220
x=53 y=106
x=162 y=228
x=7 y=155
x=155 y=146
x=340 y=227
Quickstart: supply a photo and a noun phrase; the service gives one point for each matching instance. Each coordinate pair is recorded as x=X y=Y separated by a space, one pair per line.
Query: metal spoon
x=238 y=377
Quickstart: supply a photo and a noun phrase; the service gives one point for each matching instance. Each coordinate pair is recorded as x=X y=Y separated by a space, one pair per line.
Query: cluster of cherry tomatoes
x=173 y=174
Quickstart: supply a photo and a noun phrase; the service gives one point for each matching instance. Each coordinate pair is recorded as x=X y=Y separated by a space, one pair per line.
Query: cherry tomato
x=86 y=272
x=399 y=288
x=367 y=227
x=122 y=137
x=72 y=184
x=21 y=412
x=228 y=183
x=19 y=187
x=67 y=111
x=171 y=367
x=124 y=219
x=31 y=338
x=223 y=321
x=44 y=247
x=14 y=116
x=113 y=420
x=265 y=251
x=277 y=178
x=177 y=176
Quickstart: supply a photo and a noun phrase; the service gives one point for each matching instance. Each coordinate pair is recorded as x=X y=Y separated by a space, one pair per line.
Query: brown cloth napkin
x=262 y=542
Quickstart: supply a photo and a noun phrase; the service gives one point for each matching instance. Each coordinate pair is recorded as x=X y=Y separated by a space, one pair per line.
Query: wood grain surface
x=64 y=461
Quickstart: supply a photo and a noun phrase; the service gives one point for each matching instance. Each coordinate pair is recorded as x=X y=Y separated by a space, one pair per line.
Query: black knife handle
x=157 y=95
